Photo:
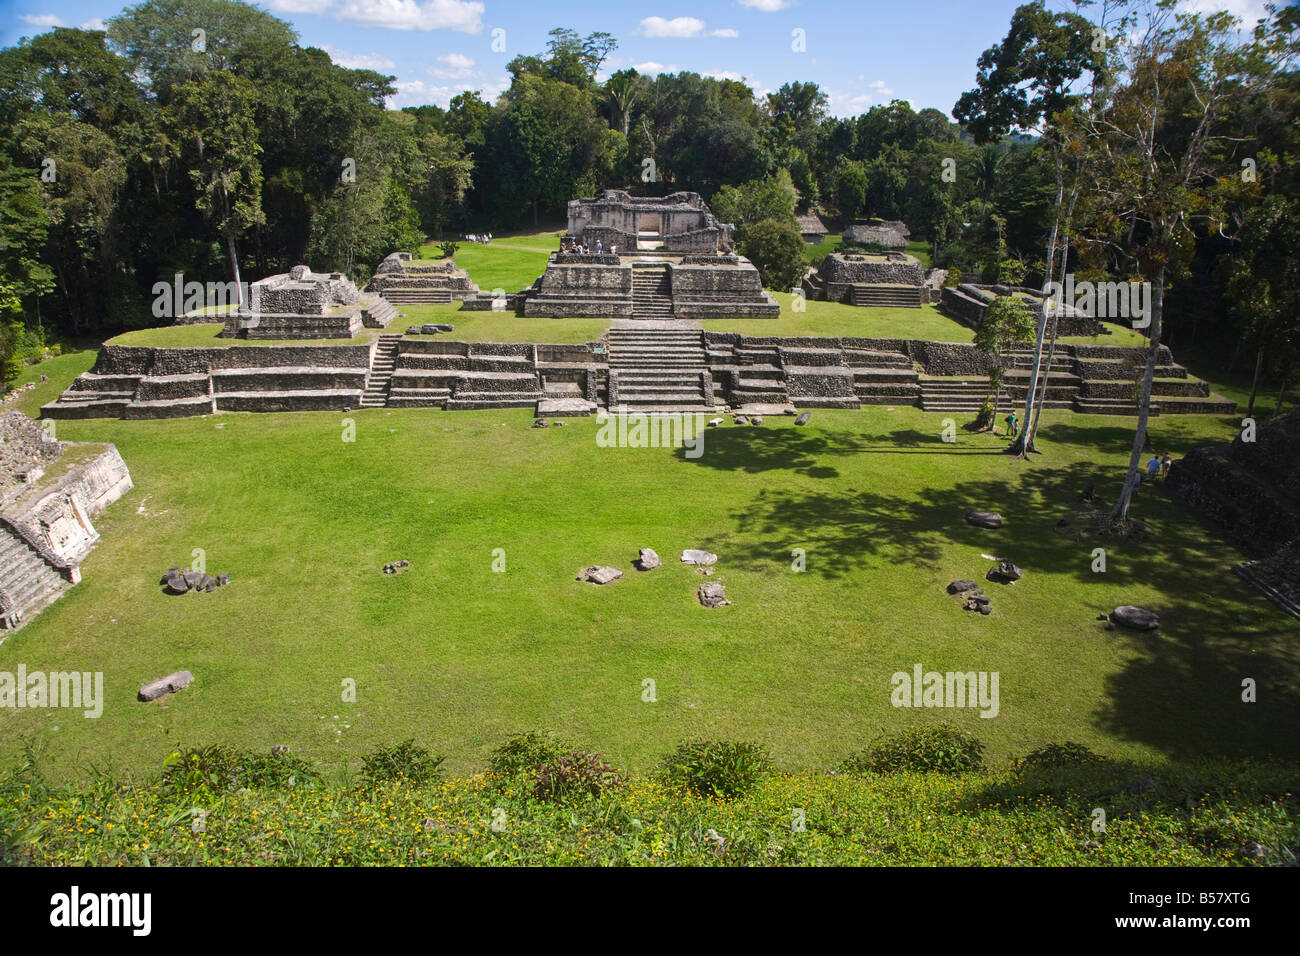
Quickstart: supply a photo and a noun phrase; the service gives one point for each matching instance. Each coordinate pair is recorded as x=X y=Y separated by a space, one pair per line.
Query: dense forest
x=1124 y=140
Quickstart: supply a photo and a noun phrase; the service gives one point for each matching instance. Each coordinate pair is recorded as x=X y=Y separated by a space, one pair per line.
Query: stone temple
x=301 y=304
x=884 y=279
x=660 y=258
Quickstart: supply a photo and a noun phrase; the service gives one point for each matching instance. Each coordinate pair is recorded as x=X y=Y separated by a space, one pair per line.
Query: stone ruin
x=660 y=258
x=404 y=281
x=883 y=280
x=886 y=233
x=46 y=506
x=301 y=304
x=967 y=301
x=1251 y=489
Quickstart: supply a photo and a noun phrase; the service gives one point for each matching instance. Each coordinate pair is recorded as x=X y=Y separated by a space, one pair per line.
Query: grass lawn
x=507 y=262
x=459 y=656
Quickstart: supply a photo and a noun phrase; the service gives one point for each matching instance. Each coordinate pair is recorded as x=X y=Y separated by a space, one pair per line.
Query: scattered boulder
x=396 y=567
x=599 y=574
x=694 y=556
x=804 y=418
x=961 y=585
x=1138 y=618
x=741 y=420
x=715 y=422
x=177 y=581
x=756 y=420
x=713 y=594
x=541 y=423
x=1005 y=573
x=166 y=685
x=647 y=560
x=706 y=571
x=559 y=423
x=984 y=519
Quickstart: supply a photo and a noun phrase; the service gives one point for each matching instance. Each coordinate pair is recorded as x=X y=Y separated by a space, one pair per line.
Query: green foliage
x=448 y=249
x=1011 y=272
x=717 y=768
x=1068 y=754
x=407 y=763
x=524 y=753
x=777 y=250
x=952 y=279
x=573 y=775
x=219 y=768
x=773 y=197
x=940 y=749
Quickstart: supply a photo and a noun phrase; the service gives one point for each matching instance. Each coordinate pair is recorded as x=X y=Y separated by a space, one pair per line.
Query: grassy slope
x=455 y=653
x=1195 y=816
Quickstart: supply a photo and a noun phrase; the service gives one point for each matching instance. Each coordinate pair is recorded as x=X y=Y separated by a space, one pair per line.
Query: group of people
x=571 y=245
x=1157 y=467
x=483 y=237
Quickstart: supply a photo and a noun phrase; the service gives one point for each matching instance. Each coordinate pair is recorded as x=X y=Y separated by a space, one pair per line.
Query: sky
x=860 y=52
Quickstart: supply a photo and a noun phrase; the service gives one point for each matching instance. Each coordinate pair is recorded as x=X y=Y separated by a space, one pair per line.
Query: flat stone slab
x=697 y=557
x=762 y=408
x=599 y=574
x=166 y=685
x=961 y=585
x=1137 y=618
x=713 y=594
x=1005 y=572
x=565 y=408
x=984 y=519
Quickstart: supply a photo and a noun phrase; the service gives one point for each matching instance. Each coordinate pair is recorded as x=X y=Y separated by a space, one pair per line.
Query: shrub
x=776 y=248
x=952 y=279
x=524 y=753
x=575 y=774
x=1068 y=754
x=984 y=417
x=219 y=767
x=717 y=768
x=941 y=749
x=448 y=249
x=407 y=762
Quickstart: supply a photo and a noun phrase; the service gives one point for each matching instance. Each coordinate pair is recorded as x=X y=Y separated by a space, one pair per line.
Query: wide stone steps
x=866 y=358
x=885 y=296
x=651 y=293
x=26 y=580
x=382 y=367
x=416 y=296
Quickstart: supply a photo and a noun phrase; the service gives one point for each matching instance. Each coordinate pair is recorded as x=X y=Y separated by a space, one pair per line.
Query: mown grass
x=303 y=521
x=1222 y=814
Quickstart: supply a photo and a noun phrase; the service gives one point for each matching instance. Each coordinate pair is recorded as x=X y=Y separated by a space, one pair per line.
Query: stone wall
x=147 y=360
x=1249 y=489
x=851 y=267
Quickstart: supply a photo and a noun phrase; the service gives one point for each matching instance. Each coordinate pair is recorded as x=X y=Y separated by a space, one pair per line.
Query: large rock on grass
x=713 y=594
x=166 y=685
x=599 y=574
x=698 y=557
x=984 y=519
x=1137 y=618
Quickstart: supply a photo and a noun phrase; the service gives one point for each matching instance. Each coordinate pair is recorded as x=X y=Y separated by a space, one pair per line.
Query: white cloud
x=727 y=75
x=767 y=6
x=419 y=93
x=95 y=23
x=358 y=61
x=463 y=16
x=678 y=27
x=42 y=20
x=650 y=68
x=878 y=88
x=682 y=28
x=455 y=66
x=1248 y=10
x=300 y=6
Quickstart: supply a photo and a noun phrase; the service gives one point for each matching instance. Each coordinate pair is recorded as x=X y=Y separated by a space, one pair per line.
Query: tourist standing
x=1165 y=462
x=1013 y=425
x=1153 y=468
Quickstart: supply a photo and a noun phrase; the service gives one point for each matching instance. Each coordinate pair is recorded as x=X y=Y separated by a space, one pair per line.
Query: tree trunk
x=1281 y=395
x=234 y=267
x=1120 y=512
x=1021 y=446
x=1254 y=383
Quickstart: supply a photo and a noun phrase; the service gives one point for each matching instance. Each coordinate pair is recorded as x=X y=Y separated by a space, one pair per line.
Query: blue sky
x=861 y=53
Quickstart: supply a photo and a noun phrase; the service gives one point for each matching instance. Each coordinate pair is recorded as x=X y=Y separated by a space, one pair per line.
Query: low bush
x=524 y=753
x=217 y=767
x=1068 y=754
x=574 y=775
x=407 y=762
x=941 y=749
x=717 y=768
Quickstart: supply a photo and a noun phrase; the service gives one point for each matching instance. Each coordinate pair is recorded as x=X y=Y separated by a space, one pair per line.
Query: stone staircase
x=418 y=296
x=883 y=378
x=378 y=314
x=659 y=369
x=652 y=296
x=648 y=241
x=382 y=366
x=27 y=581
x=885 y=295
x=957 y=395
